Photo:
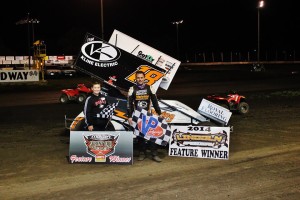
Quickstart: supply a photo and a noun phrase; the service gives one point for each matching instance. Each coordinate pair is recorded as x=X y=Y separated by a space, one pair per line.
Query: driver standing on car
x=94 y=104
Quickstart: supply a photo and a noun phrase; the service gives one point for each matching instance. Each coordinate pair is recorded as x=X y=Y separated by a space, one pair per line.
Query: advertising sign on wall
x=19 y=75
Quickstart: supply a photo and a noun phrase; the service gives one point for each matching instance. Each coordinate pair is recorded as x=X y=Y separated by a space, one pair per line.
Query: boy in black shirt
x=94 y=104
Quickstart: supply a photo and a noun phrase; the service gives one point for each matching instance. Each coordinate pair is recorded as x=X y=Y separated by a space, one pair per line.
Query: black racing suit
x=142 y=96
x=92 y=108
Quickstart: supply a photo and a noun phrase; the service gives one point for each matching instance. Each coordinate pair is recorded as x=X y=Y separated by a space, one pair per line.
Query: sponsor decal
x=101 y=146
x=99 y=54
x=76 y=121
x=80 y=159
x=112 y=79
x=100 y=102
x=118 y=159
x=166 y=115
x=149 y=58
x=18 y=75
x=120 y=114
x=142 y=104
x=141 y=92
x=214 y=111
x=151 y=75
x=60 y=57
x=200 y=140
x=150 y=127
x=142 y=97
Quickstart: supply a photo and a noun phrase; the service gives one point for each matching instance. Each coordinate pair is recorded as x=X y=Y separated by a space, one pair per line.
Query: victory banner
x=102 y=147
x=200 y=142
x=150 y=127
x=114 y=66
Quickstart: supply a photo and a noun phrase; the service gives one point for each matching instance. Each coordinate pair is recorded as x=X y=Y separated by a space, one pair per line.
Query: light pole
x=32 y=22
x=177 y=38
x=102 y=25
x=259 y=7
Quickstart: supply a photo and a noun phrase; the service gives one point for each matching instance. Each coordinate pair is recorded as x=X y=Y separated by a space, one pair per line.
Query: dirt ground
x=264 y=161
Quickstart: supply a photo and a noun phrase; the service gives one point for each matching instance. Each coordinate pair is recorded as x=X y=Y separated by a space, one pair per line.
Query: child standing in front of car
x=93 y=106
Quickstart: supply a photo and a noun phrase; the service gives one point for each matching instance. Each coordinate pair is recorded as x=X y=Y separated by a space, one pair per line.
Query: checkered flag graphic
x=108 y=111
x=150 y=127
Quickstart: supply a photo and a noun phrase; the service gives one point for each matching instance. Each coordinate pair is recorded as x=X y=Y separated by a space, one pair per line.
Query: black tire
x=81 y=98
x=64 y=98
x=243 y=108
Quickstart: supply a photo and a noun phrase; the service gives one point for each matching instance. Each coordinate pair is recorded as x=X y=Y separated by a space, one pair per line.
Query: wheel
x=63 y=98
x=243 y=108
x=81 y=98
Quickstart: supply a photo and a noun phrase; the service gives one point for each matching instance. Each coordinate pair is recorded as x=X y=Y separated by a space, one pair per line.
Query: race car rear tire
x=63 y=99
x=243 y=108
x=81 y=98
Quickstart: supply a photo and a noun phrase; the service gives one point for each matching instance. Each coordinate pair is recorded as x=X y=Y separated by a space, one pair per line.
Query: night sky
x=211 y=25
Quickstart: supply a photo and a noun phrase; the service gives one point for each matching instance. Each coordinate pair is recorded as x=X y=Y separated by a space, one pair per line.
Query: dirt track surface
x=264 y=161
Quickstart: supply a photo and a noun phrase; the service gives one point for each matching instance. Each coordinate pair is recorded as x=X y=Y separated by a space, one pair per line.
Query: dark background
x=209 y=26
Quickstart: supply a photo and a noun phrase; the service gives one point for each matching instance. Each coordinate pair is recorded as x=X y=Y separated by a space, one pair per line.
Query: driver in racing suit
x=141 y=95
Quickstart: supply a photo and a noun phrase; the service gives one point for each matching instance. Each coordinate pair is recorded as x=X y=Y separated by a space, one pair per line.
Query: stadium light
x=29 y=21
x=261 y=4
x=177 y=38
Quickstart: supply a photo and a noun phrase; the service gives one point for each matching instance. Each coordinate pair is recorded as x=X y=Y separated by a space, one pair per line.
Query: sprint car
x=174 y=112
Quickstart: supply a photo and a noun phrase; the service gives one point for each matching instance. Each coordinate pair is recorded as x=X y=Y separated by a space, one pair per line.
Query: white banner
x=101 y=147
x=9 y=57
x=19 y=75
x=214 y=111
x=69 y=58
x=200 y=142
x=52 y=57
x=19 y=58
x=27 y=58
x=6 y=62
x=15 y=62
x=24 y=61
